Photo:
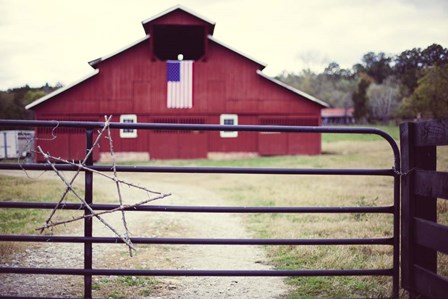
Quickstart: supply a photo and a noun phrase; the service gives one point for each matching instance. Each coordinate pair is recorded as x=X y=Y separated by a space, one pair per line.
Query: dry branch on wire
x=120 y=208
x=118 y=182
x=64 y=194
x=70 y=187
x=115 y=179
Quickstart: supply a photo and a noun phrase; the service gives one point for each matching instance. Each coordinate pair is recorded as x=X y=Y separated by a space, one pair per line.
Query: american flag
x=179 y=76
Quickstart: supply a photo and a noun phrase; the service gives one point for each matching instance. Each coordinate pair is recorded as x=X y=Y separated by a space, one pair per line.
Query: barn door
x=165 y=144
x=270 y=144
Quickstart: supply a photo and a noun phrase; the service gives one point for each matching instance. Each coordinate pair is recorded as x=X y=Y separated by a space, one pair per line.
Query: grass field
x=339 y=151
x=21 y=221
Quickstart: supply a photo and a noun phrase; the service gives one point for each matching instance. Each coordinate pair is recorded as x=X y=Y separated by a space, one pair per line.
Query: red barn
x=180 y=73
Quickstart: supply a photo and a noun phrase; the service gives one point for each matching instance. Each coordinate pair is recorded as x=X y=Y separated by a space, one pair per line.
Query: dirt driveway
x=157 y=256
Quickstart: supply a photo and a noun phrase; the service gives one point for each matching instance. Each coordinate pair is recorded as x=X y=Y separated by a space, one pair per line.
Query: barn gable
x=178 y=31
x=178 y=15
x=225 y=85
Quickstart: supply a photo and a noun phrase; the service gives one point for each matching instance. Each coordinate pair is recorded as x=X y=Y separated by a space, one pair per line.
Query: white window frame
x=222 y=120
x=128 y=133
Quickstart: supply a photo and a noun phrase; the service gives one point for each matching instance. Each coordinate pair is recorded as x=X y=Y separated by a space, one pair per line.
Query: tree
x=360 y=100
x=383 y=100
x=305 y=81
x=377 y=66
x=7 y=107
x=430 y=98
x=334 y=72
x=334 y=86
x=435 y=55
x=14 y=100
x=358 y=68
x=32 y=95
x=408 y=66
x=371 y=85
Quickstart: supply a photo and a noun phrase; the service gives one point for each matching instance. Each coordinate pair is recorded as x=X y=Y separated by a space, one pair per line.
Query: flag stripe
x=180 y=84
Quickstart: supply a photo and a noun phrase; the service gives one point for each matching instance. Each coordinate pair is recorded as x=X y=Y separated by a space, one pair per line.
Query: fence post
x=88 y=224
x=414 y=156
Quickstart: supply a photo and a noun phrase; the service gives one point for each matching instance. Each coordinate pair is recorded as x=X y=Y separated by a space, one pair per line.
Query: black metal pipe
x=253 y=273
x=207 y=170
x=28 y=297
x=206 y=127
x=88 y=223
x=396 y=237
x=203 y=209
x=193 y=127
x=197 y=241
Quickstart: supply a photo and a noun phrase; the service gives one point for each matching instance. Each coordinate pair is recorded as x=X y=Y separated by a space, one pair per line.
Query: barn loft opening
x=171 y=41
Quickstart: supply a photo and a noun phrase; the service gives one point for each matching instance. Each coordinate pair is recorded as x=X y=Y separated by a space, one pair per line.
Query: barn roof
x=337 y=112
x=60 y=90
x=294 y=90
x=261 y=64
x=185 y=9
x=93 y=63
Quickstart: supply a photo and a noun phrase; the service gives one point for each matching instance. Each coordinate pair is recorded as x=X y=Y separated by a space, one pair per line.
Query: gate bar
x=207 y=127
x=207 y=170
x=201 y=209
x=107 y=272
x=197 y=241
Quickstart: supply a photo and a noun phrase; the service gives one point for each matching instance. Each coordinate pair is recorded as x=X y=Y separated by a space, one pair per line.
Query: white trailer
x=16 y=144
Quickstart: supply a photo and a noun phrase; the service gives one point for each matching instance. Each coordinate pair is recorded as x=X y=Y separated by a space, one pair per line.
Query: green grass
x=26 y=221
x=393 y=131
x=21 y=221
x=124 y=286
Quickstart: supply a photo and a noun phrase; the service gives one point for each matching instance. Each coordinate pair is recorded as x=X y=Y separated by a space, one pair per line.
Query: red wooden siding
x=66 y=143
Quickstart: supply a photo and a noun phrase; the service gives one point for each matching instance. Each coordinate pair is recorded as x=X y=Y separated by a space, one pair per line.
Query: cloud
x=438 y=5
x=52 y=40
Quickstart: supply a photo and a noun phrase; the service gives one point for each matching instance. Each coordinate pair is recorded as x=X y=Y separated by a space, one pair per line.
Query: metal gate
x=87 y=239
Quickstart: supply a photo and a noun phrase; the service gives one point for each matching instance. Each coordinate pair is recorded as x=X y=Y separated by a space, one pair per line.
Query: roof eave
x=60 y=90
x=261 y=64
x=294 y=90
x=94 y=63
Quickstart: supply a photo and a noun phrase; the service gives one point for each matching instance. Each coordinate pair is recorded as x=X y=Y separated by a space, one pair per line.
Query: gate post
x=88 y=221
x=414 y=156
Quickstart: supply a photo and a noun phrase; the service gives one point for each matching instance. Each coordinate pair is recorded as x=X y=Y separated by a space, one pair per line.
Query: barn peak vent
x=172 y=40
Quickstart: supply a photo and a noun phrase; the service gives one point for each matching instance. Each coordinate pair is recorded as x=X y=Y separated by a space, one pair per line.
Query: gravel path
x=158 y=256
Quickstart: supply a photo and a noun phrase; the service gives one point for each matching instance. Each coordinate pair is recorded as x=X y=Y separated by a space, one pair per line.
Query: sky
x=53 y=40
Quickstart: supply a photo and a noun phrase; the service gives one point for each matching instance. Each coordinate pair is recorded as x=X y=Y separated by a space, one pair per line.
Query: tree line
x=381 y=88
x=14 y=100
